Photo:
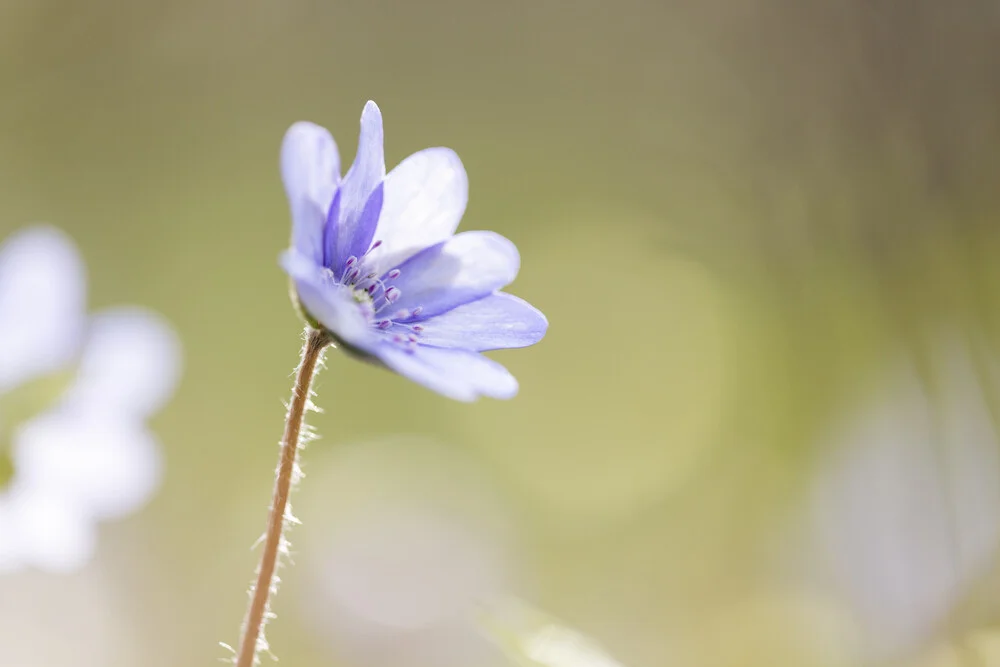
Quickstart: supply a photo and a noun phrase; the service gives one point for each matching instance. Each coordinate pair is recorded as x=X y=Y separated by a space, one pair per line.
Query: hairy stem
x=257 y=613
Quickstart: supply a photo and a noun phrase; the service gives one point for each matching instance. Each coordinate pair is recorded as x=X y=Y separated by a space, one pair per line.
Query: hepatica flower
x=378 y=269
x=75 y=393
x=376 y=263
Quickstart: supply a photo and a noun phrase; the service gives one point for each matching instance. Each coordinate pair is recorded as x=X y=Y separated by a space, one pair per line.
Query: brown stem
x=257 y=613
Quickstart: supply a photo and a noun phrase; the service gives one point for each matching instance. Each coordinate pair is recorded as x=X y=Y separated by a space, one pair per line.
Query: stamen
x=417 y=328
x=417 y=311
x=392 y=275
x=392 y=295
x=402 y=315
x=371 y=288
x=384 y=324
x=374 y=245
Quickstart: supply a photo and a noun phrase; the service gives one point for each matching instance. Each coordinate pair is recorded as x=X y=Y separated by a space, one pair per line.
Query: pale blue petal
x=457 y=374
x=464 y=268
x=330 y=230
x=327 y=302
x=494 y=322
x=363 y=177
x=42 y=303
x=365 y=229
x=310 y=170
x=129 y=366
x=425 y=197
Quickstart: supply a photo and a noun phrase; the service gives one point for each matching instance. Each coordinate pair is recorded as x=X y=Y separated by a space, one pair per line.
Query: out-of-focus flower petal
x=466 y=267
x=907 y=505
x=365 y=174
x=494 y=322
x=42 y=298
x=425 y=197
x=105 y=466
x=130 y=365
x=310 y=170
x=457 y=374
x=397 y=569
x=49 y=531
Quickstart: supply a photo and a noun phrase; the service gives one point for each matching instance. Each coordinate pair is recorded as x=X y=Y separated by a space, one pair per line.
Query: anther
x=393 y=274
x=402 y=315
x=417 y=311
x=375 y=245
x=384 y=324
x=350 y=262
x=371 y=289
x=417 y=328
x=392 y=295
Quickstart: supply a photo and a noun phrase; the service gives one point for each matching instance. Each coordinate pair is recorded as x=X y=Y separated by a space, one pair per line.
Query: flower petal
x=494 y=322
x=361 y=180
x=330 y=230
x=310 y=170
x=464 y=268
x=104 y=465
x=325 y=301
x=42 y=299
x=130 y=365
x=425 y=197
x=457 y=374
x=47 y=531
x=365 y=229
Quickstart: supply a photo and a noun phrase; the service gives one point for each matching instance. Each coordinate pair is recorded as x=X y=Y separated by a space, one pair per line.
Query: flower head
x=75 y=393
x=376 y=262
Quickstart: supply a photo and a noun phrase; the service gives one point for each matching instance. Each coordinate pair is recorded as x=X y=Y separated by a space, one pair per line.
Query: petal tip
x=371 y=113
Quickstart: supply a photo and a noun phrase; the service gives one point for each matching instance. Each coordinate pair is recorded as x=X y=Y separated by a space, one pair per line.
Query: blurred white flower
x=83 y=454
x=409 y=540
x=907 y=503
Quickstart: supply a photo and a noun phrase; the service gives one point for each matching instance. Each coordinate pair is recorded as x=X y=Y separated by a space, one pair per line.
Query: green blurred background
x=735 y=214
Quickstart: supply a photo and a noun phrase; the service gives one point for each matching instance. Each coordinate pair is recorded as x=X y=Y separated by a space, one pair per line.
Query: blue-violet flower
x=375 y=261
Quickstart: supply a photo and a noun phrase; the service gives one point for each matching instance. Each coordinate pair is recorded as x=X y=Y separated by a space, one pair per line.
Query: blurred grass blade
x=532 y=638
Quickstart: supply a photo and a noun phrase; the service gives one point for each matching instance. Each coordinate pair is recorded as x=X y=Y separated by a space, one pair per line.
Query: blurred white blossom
x=83 y=452
x=408 y=541
x=907 y=503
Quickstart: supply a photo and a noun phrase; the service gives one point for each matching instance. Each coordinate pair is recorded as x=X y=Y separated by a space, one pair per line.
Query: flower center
x=375 y=296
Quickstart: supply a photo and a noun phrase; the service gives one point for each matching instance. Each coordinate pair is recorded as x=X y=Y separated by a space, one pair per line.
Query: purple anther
x=350 y=262
x=392 y=295
x=375 y=245
x=417 y=311
x=384 y=324
x=417 y=328
x=371 y=289
x=392 y=275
